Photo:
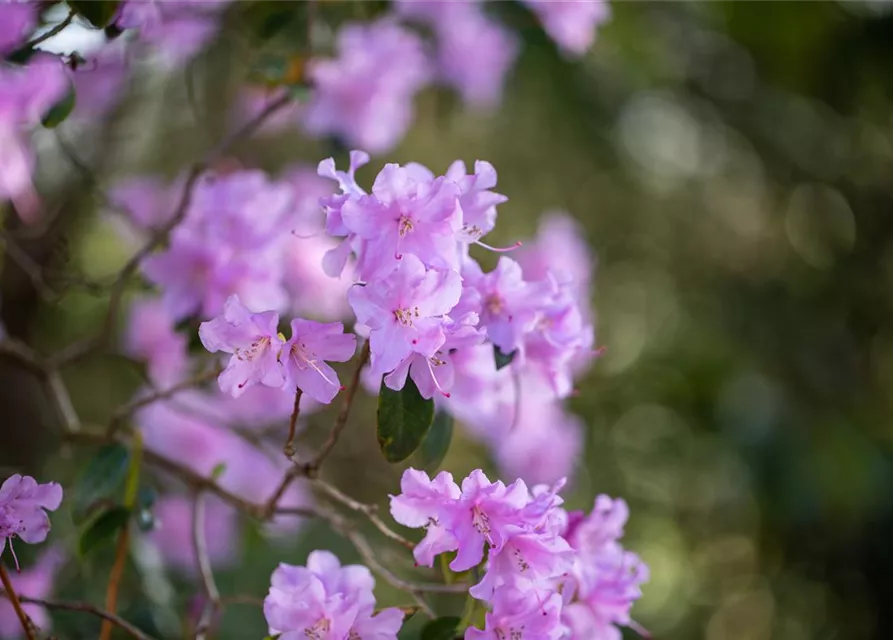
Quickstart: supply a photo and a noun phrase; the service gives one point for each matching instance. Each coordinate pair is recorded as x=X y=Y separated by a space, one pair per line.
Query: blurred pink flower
x=571 y=24
x=174 y=526
x=35 y=582
x=17 y=21
x=152 y=336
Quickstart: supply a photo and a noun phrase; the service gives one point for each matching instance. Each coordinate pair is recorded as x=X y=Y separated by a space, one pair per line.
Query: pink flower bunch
x=326 y=600
x=23 y=507
x=26 y=95
x=364 y=95
x=176 y=29
x=542 y=575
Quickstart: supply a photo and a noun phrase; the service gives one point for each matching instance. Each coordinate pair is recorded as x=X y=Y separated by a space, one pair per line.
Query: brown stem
x=341 y=420
x=111 y=593
x=54 y=31
x=204 y=567
x=27 y=625
x=289 y=448
x=85 y=607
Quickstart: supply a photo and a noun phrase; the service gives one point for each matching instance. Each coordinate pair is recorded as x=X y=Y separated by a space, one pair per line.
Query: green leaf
x=436 y=444
x=503 y=359
x=98 y=12
x=103 y=476
x=218 y=470
x=441 y=629
x=404 y=418
x=102 y=528
x=60 y=111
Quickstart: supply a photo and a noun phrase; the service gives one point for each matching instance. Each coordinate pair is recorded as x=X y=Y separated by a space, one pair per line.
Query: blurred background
x=732 y=167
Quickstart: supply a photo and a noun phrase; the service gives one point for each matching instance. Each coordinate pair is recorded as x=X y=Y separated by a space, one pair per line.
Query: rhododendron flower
x=26 y=95
x=174 y=530
x=151 y=336
x=364 y=96
x=509 y=304
x=433 y=374
x=17 y=21
x=23 y=507
x=516 y=615
x=571 y=23
x=478 y=203
x=410 y=212
x=176 y=29
x=305 y=353
x=35 y=582
x=607 y=579
x=405 y=312
x=423 y=502
x=254 y=342
x=327 y=601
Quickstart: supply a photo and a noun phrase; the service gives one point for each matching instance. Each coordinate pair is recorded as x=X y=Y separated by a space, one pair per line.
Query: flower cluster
x=326 y=600
x=548 y=573
x=23 y=507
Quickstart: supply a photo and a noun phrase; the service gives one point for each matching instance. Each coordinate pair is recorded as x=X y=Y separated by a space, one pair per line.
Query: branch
x=341 y=420
x=9 y=592
x=369 y=510
x=85 y=607
x=289 y=448
x=81 y=348
x=52 y=32
x=12 y=349
x=128 y=409
x=204 y=567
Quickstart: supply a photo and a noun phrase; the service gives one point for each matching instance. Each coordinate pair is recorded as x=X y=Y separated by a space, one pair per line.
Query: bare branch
x=52 y=32
x=369 y=510
x=289 y=448
x=9 y=592
x=204 y=567
x=85 y=607
x=341 y=420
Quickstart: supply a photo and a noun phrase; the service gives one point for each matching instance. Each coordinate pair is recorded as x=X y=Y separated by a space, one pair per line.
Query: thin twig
x=341 y=420
x=81 y=348
x=52 y=32
x=128 y=409
x=289 y=448
x=62 y=401
x=14 y=350
x=10 y=593
x=204 y=567
x=29 y=267
x=369 y=510
x=86 y=607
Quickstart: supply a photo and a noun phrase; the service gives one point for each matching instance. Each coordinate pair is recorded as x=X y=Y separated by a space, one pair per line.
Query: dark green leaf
x=60 y=111
x=102 y=528
x=404 y=418
x=436 y=444
x=441 y=629
x=503 y=359
x=98 y=12
x=104 y=474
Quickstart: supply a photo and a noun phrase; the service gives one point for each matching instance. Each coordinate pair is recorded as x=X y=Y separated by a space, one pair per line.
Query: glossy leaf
x=61 y=110
x=503 y=359
x=103 y=476
x=103 y=528
x=98 y=12
x=404 y=418
x=436 y=444
x=441 y=629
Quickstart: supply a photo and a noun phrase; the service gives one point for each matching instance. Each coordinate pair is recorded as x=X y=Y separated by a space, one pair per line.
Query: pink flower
x=405 y=312
x=99 y=82
x=26 y=95
x=427 y=503
x=34 y=582
x=364 y=96
x=23 y=507
x=433 y=374
x=17 y=21
x=151 y=336
x=516 y=615
x=174 y=530
x=254 y=342
x=509 y=304
x=409 y=213
x=571 y=23
x=607 y=578
x=478 y=203
x=327 y=601
x=304 y=355
x=178 y=30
